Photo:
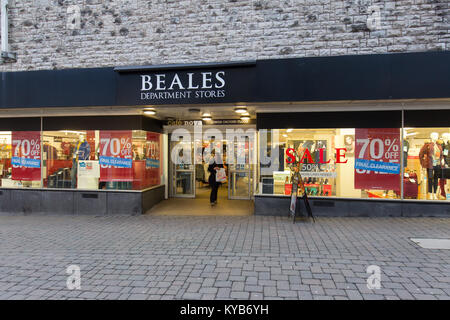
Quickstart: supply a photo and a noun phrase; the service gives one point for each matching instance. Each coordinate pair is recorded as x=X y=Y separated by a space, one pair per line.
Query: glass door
x=182 y=169
x=240 y=170
x=239 y=184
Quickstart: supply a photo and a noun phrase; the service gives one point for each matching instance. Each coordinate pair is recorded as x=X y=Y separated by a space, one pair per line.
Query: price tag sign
x=377 y=159
x=115 y=159
x=26 y=155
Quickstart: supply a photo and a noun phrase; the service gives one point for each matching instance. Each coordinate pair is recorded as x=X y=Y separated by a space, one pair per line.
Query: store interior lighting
x=240 y=110
x=206 y=116
x=150 y=111
x=75 y=132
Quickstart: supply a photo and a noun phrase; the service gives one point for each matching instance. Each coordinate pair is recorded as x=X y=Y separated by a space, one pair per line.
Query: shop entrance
x=189 y=155
x=189 y=172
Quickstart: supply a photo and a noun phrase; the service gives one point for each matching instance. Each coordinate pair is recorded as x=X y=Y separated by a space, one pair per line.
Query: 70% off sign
x=115 y=148
x=26 y=149
x=379 y=149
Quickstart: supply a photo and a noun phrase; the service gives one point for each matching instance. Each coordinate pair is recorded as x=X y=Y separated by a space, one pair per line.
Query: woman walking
x=214 y=165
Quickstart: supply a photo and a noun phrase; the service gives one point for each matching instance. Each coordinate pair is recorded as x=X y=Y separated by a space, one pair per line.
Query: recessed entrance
x=199 y=206
x=189 y=156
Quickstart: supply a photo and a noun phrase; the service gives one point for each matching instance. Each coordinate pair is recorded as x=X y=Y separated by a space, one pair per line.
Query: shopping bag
x=221 y=175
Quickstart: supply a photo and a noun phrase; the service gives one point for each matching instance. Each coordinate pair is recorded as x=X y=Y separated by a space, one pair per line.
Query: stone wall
x=56 y=34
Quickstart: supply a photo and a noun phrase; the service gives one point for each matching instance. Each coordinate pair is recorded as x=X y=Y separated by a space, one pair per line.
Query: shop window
x=344 y=163
x=20 y=159
x=427 y=163
x=101 y=159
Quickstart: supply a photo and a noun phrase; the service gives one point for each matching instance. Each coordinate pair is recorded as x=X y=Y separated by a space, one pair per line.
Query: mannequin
x=445 y=145
x=82 y=152
x=430 y=157
x=446 y=148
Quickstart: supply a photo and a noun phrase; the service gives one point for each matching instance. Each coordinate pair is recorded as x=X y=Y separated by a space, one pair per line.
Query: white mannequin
x=434 y=136
x=446 y=137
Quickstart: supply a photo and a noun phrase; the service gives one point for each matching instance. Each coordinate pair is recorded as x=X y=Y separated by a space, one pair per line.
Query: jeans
x=214 y=188
x=432 y=179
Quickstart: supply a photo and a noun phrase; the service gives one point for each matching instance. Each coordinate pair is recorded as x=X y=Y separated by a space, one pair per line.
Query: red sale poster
x=26 y=155
x=90 y=137
x=377 y=158
x=115 y=159
x=153 y=161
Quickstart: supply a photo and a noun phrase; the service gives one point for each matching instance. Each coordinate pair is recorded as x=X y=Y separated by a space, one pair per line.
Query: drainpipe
x=5 y=55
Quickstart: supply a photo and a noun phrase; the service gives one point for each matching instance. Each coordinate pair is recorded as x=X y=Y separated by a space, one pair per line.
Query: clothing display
x=52 y=152
x=82 y=152
x=66 y=148
x=410 y=186
x=442 y=187
x=433 y=179
x=446 y=152
x=445 y=156
x=430 y=155
x=316 y=153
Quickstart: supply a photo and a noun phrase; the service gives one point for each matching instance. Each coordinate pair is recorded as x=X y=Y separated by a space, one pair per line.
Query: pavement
x=248 y=257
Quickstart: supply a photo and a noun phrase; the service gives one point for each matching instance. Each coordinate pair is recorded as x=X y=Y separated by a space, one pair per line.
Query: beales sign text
x=191 y=85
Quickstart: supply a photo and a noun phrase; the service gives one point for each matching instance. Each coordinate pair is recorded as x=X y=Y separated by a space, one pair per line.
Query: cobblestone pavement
x=161 y=257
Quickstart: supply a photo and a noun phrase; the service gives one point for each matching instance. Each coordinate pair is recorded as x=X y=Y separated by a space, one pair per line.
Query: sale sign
x=26 y=155
x=115 y=159
x=152 y=154
x=377 y=158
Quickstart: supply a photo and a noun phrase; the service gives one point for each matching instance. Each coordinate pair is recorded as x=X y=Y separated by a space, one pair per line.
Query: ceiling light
x=206 y=115
x=240 y=110
x=149 y=111
x=245 y=117
x=206 y=118
x=289 y=130
x=285 y=135
x=72 y=131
